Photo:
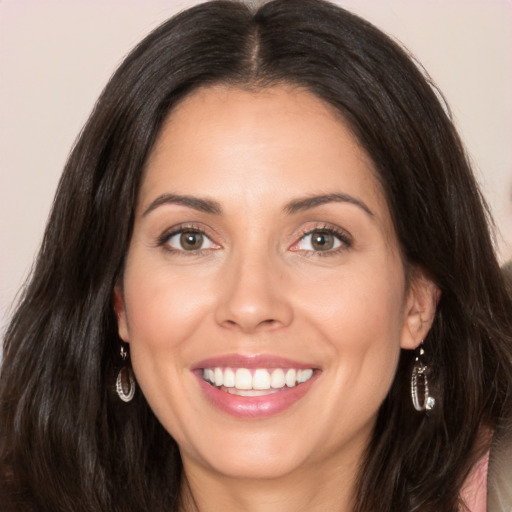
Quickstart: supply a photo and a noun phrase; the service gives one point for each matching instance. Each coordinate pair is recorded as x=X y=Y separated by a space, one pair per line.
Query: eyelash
x=342 y=236
x=187 y=228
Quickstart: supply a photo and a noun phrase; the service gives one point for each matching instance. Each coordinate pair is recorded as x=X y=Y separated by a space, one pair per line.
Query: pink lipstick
x=254 y=386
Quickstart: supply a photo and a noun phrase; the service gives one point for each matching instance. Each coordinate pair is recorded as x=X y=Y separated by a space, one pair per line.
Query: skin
x=259 y=286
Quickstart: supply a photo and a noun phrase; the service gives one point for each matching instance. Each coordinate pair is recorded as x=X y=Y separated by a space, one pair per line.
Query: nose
x=252 y=296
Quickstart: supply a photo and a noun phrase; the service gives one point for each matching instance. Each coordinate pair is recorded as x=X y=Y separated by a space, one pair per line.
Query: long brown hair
x=67 y=444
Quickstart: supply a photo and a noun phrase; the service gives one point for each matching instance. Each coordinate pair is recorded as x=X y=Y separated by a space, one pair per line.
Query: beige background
x=56 y=56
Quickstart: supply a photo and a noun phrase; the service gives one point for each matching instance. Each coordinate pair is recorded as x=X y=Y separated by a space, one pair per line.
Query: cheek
x=163 y=308
x=361 y=316
x=164 y=312
x=357 y=309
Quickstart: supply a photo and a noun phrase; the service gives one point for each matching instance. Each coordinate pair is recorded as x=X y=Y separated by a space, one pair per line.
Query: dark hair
x=67 y=444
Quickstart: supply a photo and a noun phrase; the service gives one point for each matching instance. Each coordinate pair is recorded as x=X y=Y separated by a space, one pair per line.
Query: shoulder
x=474 y=490
x=499 y=482
x=489 y=485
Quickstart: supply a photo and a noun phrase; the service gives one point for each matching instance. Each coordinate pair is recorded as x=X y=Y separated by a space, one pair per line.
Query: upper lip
x=250 y=362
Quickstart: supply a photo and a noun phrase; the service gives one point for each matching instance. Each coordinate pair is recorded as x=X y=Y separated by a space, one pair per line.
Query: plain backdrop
x=57 y=55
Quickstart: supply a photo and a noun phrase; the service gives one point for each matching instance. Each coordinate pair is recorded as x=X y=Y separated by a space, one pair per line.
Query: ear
x=421 y=303
x=120 y=310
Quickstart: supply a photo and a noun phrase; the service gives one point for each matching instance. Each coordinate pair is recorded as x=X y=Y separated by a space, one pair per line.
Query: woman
x=267 y=283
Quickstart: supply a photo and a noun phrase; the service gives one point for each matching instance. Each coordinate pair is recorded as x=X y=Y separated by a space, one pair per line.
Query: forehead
x=236 y=145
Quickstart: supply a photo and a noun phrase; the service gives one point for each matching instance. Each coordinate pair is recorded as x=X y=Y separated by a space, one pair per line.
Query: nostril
x=248 y=326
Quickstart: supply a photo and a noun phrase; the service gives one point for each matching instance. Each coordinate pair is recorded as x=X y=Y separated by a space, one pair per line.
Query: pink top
x=474 y=491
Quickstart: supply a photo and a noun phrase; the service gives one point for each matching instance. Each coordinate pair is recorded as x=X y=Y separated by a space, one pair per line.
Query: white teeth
x=304 y=375
x=251 y=392
x=243 y=379
x=277 y=379
x=261 y=380
x=258 y=380
x=218 y=376
x=291 y=377
x=229 y=378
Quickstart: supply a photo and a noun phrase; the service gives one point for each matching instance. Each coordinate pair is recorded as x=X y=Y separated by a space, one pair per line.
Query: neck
x=310 y=488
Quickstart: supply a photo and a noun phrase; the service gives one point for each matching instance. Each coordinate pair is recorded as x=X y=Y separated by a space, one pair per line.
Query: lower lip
x=255 y=406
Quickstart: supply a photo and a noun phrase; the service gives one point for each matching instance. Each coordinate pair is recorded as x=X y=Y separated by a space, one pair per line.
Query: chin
x=259 y=467
x=252 y=456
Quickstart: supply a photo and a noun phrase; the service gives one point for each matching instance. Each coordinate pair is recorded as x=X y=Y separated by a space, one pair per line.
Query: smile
x=255 y=382
x=254 y=387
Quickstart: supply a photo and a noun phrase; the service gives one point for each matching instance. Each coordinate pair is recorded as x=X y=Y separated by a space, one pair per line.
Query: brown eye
x=322 y=240
x=191 y=241
x=188 y=240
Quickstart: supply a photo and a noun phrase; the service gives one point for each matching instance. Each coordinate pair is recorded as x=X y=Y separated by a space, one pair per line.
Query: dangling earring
x=419 y=384
x=125 y=382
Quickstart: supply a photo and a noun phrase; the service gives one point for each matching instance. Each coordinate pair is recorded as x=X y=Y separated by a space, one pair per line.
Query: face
x=264 y=296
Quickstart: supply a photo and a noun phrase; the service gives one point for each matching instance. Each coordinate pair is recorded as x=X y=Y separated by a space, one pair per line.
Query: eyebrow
x=196 y=203
x=299 y=205
x=213 y=207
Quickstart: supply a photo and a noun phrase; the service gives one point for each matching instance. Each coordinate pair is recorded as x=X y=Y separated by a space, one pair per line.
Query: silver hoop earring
x=419 y=384
x=125 y=382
